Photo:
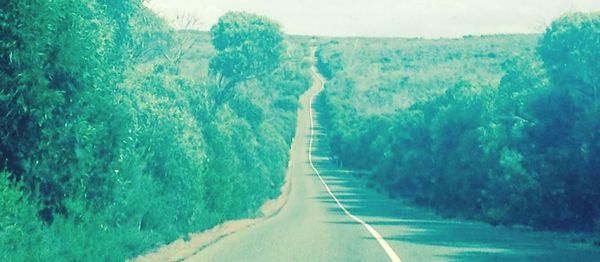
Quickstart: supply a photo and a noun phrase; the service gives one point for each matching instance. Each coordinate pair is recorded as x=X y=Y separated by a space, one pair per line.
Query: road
x=367 y=226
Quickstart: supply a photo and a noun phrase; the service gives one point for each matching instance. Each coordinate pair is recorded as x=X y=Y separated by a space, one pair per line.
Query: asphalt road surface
x=332 y=216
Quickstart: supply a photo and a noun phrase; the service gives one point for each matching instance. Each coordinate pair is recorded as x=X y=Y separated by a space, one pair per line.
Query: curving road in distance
x=332 y=216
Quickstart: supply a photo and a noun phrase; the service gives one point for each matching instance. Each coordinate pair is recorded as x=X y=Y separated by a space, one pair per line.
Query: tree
x=248 y=47
x=569 y=48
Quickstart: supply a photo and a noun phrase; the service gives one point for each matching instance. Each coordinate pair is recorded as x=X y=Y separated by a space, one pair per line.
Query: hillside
x=382 y=75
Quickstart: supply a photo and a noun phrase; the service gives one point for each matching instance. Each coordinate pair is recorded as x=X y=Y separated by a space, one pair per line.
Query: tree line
x=521 y=150
x=110 y=146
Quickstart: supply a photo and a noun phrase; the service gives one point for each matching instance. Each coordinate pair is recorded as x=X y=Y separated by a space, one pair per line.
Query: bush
x=22 y=237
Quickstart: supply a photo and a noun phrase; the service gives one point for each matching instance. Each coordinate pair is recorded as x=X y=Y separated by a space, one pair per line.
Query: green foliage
x=570 y=51
x=379 y=76
x=61 y=63
x=248 y=46
x=507 y=138
x=20 y=228
x=107 y=139
x=330 y=63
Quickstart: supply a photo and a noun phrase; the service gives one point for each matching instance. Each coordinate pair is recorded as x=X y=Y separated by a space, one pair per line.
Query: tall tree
x=569 y=48
x=248 y=47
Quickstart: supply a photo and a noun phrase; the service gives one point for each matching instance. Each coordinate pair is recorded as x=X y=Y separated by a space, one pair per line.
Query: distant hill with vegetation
x=381 y=75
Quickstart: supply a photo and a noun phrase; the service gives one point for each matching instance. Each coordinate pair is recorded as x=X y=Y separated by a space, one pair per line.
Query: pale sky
x=403 y=18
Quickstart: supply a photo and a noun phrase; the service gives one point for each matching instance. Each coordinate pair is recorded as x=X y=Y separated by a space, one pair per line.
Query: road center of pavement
x=386 y=247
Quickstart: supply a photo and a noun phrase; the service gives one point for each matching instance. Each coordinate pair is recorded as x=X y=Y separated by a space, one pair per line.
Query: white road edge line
x=386 y=247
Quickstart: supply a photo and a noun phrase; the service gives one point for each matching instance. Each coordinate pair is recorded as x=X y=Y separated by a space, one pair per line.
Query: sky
x=384 y=18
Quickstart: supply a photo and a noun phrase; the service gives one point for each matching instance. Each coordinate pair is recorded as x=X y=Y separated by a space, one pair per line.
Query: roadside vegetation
x=499 y=128
x=118 y=133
